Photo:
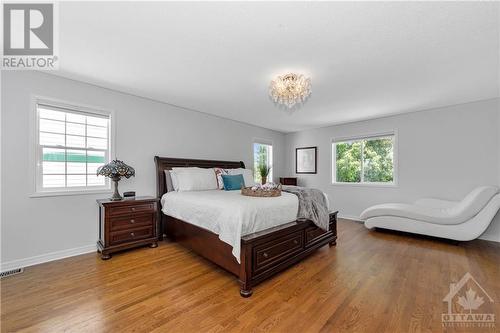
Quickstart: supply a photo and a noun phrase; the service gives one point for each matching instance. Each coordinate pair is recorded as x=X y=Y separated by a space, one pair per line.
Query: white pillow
x=193 y=179
x=247 y=175
x=168 y=181
x=173 y=177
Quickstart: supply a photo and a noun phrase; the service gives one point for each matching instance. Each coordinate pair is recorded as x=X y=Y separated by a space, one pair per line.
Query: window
x=70 y=145
x=262 y=158
x=368 y=160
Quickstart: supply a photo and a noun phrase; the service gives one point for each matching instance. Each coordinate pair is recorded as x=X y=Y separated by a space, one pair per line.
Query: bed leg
x=161 y=225
x=245 y=289
x=333 y=228
x=246 y=270
x=246 y=292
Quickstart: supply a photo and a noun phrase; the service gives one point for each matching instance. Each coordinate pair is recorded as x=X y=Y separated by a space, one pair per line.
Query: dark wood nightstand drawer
x=132 y=221
x=284 y=247
x=131 y=209
x=117 y=237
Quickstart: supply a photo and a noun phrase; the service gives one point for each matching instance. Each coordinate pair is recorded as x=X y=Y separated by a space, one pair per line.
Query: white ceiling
x=365 y=59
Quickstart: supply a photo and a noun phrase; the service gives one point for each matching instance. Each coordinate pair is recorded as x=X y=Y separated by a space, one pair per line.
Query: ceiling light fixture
x=290 y=89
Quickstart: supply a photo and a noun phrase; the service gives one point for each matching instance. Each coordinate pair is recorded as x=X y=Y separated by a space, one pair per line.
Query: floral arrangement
x=265 y=190
x=265 y=187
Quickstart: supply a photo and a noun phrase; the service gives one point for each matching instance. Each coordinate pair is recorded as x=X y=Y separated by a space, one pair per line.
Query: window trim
x=35 y=162
x=268 y=143
x=333 y=164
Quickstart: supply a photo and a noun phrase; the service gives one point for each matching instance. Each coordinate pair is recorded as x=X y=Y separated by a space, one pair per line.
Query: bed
x=264 y=249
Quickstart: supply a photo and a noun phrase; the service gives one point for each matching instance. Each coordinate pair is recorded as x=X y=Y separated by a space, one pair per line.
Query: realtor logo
x=469 y=305
x=29 y=36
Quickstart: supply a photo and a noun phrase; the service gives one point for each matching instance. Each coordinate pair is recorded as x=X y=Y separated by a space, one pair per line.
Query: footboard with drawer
x=263 y=254
x=271 y=251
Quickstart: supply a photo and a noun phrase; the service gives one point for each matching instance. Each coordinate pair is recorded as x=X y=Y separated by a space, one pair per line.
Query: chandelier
x=290 y=89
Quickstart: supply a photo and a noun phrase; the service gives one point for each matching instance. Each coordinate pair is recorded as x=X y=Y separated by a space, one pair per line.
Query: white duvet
x=230 y=214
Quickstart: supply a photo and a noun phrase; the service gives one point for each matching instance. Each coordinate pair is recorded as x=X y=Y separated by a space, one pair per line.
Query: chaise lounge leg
x=332 y=243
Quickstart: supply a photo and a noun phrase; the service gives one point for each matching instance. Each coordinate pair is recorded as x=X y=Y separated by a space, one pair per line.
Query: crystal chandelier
x=290 y=89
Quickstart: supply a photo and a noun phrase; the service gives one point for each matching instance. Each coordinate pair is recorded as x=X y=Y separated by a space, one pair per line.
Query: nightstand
x=288 y=181
x=126 y=224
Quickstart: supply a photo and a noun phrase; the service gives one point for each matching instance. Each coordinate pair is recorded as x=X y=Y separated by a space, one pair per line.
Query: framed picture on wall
x=305 y=159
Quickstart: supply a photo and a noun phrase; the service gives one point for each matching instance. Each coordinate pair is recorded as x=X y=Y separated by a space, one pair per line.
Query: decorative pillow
x=247 y=175
x=193 y=179
x=233 y=182
x=218 y=173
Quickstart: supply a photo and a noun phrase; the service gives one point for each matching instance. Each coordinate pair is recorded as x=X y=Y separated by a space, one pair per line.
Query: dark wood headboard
x=167 y=163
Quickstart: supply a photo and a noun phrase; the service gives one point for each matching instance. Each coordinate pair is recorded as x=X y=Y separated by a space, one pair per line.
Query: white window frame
x=267 y=143
x=35 y=149
x=333 y=161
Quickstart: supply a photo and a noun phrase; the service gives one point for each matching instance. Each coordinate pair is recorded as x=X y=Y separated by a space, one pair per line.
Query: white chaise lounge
x=459 y=220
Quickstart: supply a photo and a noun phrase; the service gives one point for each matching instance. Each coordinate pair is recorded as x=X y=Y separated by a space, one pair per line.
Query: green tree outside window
x=365 y=161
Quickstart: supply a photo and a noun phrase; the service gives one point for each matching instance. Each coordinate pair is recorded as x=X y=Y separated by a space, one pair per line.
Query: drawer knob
x=132 y=234
x=132 y=221
x=265 y=255
x=133 y=209
x=295 y=242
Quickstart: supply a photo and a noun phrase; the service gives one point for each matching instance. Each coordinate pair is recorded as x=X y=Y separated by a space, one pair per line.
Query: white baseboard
x=40 y=259
x=490 y=238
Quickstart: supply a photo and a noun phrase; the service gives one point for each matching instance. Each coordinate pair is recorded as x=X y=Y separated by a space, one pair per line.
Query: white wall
x=57 y=226
x=442 y=153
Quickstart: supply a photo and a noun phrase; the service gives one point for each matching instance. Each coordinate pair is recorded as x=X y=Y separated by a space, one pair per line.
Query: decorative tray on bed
x=266 y=190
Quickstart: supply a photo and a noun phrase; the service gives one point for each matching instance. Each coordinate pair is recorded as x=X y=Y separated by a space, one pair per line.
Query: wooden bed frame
x=263 y=254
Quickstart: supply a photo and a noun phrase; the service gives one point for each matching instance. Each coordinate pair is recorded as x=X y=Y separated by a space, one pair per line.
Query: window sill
x=66 y=193
x=391 y=185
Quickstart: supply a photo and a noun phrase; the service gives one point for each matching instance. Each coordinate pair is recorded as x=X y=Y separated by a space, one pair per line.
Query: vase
x=263 y=179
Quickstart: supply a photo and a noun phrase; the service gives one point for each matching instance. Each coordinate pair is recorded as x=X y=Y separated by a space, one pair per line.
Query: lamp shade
x=115 y=170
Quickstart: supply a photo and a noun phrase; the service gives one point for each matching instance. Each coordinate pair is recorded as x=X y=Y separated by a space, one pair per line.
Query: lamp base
x=116 y=195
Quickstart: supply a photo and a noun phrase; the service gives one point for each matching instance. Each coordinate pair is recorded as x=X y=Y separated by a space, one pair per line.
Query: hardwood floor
x=370 y=282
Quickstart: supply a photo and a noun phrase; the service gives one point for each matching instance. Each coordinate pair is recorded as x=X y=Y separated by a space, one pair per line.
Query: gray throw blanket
x=312 y=205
